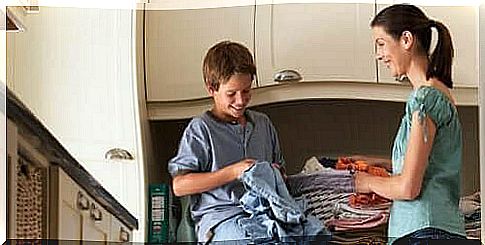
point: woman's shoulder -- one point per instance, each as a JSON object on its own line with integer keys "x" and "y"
{"x": 432, "y": 96}
{"x": 427, "y": 92}
{"x": 433, "y": 102}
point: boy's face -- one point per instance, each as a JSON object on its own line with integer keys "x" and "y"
{"x": 231, "y": 99}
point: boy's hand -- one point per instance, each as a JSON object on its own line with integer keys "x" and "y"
{"x": 238, "y": 168}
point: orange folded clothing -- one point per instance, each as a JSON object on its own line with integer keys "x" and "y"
{"x": 345, "y": 163}
{"x": 361, "y": 200}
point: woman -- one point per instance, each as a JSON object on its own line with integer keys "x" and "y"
{"x": 427, "y": 151}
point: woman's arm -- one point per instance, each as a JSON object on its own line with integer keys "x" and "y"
{"x": 407, "y": 185}
{"x": 193, "y": 183}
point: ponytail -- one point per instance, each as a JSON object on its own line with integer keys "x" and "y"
{"x": 440, "y": 61}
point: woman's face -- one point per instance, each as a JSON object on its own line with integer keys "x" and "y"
{"x": 391, "y": 51}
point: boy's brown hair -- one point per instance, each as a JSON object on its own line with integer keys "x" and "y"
{"x": 225, "y": 59}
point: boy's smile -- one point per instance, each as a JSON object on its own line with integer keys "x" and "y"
{"x": 233, "y": 96}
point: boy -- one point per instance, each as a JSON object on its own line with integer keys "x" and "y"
{"x": 218, "y": 146}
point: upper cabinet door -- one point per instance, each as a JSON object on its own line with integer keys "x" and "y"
{"x": 321, "y": 41}
{"x": 462, "y": 21}
{"x": 178, "y": 35}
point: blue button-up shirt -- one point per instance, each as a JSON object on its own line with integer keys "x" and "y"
{"x": 209, "y": 144}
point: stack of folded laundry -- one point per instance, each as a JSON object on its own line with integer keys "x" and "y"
{"x": 471, "y": 208}
{"x": 327, "y": 187}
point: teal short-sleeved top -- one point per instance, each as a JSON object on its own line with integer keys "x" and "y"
{"x": 437, "y": 204}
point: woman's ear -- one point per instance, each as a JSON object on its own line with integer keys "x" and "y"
{"x": 407, "y": 40}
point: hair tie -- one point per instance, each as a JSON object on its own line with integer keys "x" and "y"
{"x": 431, "y": 23}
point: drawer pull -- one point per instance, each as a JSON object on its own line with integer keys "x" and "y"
{"x": 82, "y": 201}
{"x": 95, "y": 213}
{"x": 124, "y": 235}
{"x": 286, "y": 76}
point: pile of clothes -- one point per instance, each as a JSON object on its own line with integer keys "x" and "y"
{"x": 471, "y": 208}
{"x": 367, "y": 200}
{"x": 327, "y": 186}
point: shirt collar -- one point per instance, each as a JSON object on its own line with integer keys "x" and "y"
{"x": 247, "y": 114}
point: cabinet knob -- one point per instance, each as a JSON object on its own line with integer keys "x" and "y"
{"x": 82, "y": 201}
{"x": 124, "y": 235}
{"x": 95, "y": 213}
{"x": 287, "y": 76}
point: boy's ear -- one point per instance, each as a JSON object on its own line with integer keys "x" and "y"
{"x": 210, "y": 90}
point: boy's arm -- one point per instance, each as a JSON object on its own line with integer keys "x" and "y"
{"x": 193, "y": 183}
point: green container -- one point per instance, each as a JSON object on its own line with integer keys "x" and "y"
{"x": 158, "y": 216}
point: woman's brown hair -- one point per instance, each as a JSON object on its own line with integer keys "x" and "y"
{"x": 398, "y": 18}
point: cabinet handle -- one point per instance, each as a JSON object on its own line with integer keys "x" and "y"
{"x": 124, "y": 235}
{"x": 95, "y": 213}
{"x": 82, "y": 201}
{"x": 287, "y": 76}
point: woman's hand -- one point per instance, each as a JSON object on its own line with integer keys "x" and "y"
{"x": 373, "y": 161}
{"x": 362, "y": 182}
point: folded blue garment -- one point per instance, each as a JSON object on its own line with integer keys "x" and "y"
{"x": 274, "y": 214}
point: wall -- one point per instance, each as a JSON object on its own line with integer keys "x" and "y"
{"x": 3, "y": 139}
{"x": 329, "y": 128}
{"x": 482, "y": 103}
{"x": 3, "y": 165}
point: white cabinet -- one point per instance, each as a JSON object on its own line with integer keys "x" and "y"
{"x": 74, "y": 68}
{"x": 321, "y": 41}
{"x": 119, "y": 232}
{"x": 177, "y": 39}
{"x": 324, "y": 42}
{"x": 329, "y": 44}
{"x": 79, "y": 217}
{"x": 301, "y": 37}
{"x": 71, "y": 222}
{"x": 462, "y": 22}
